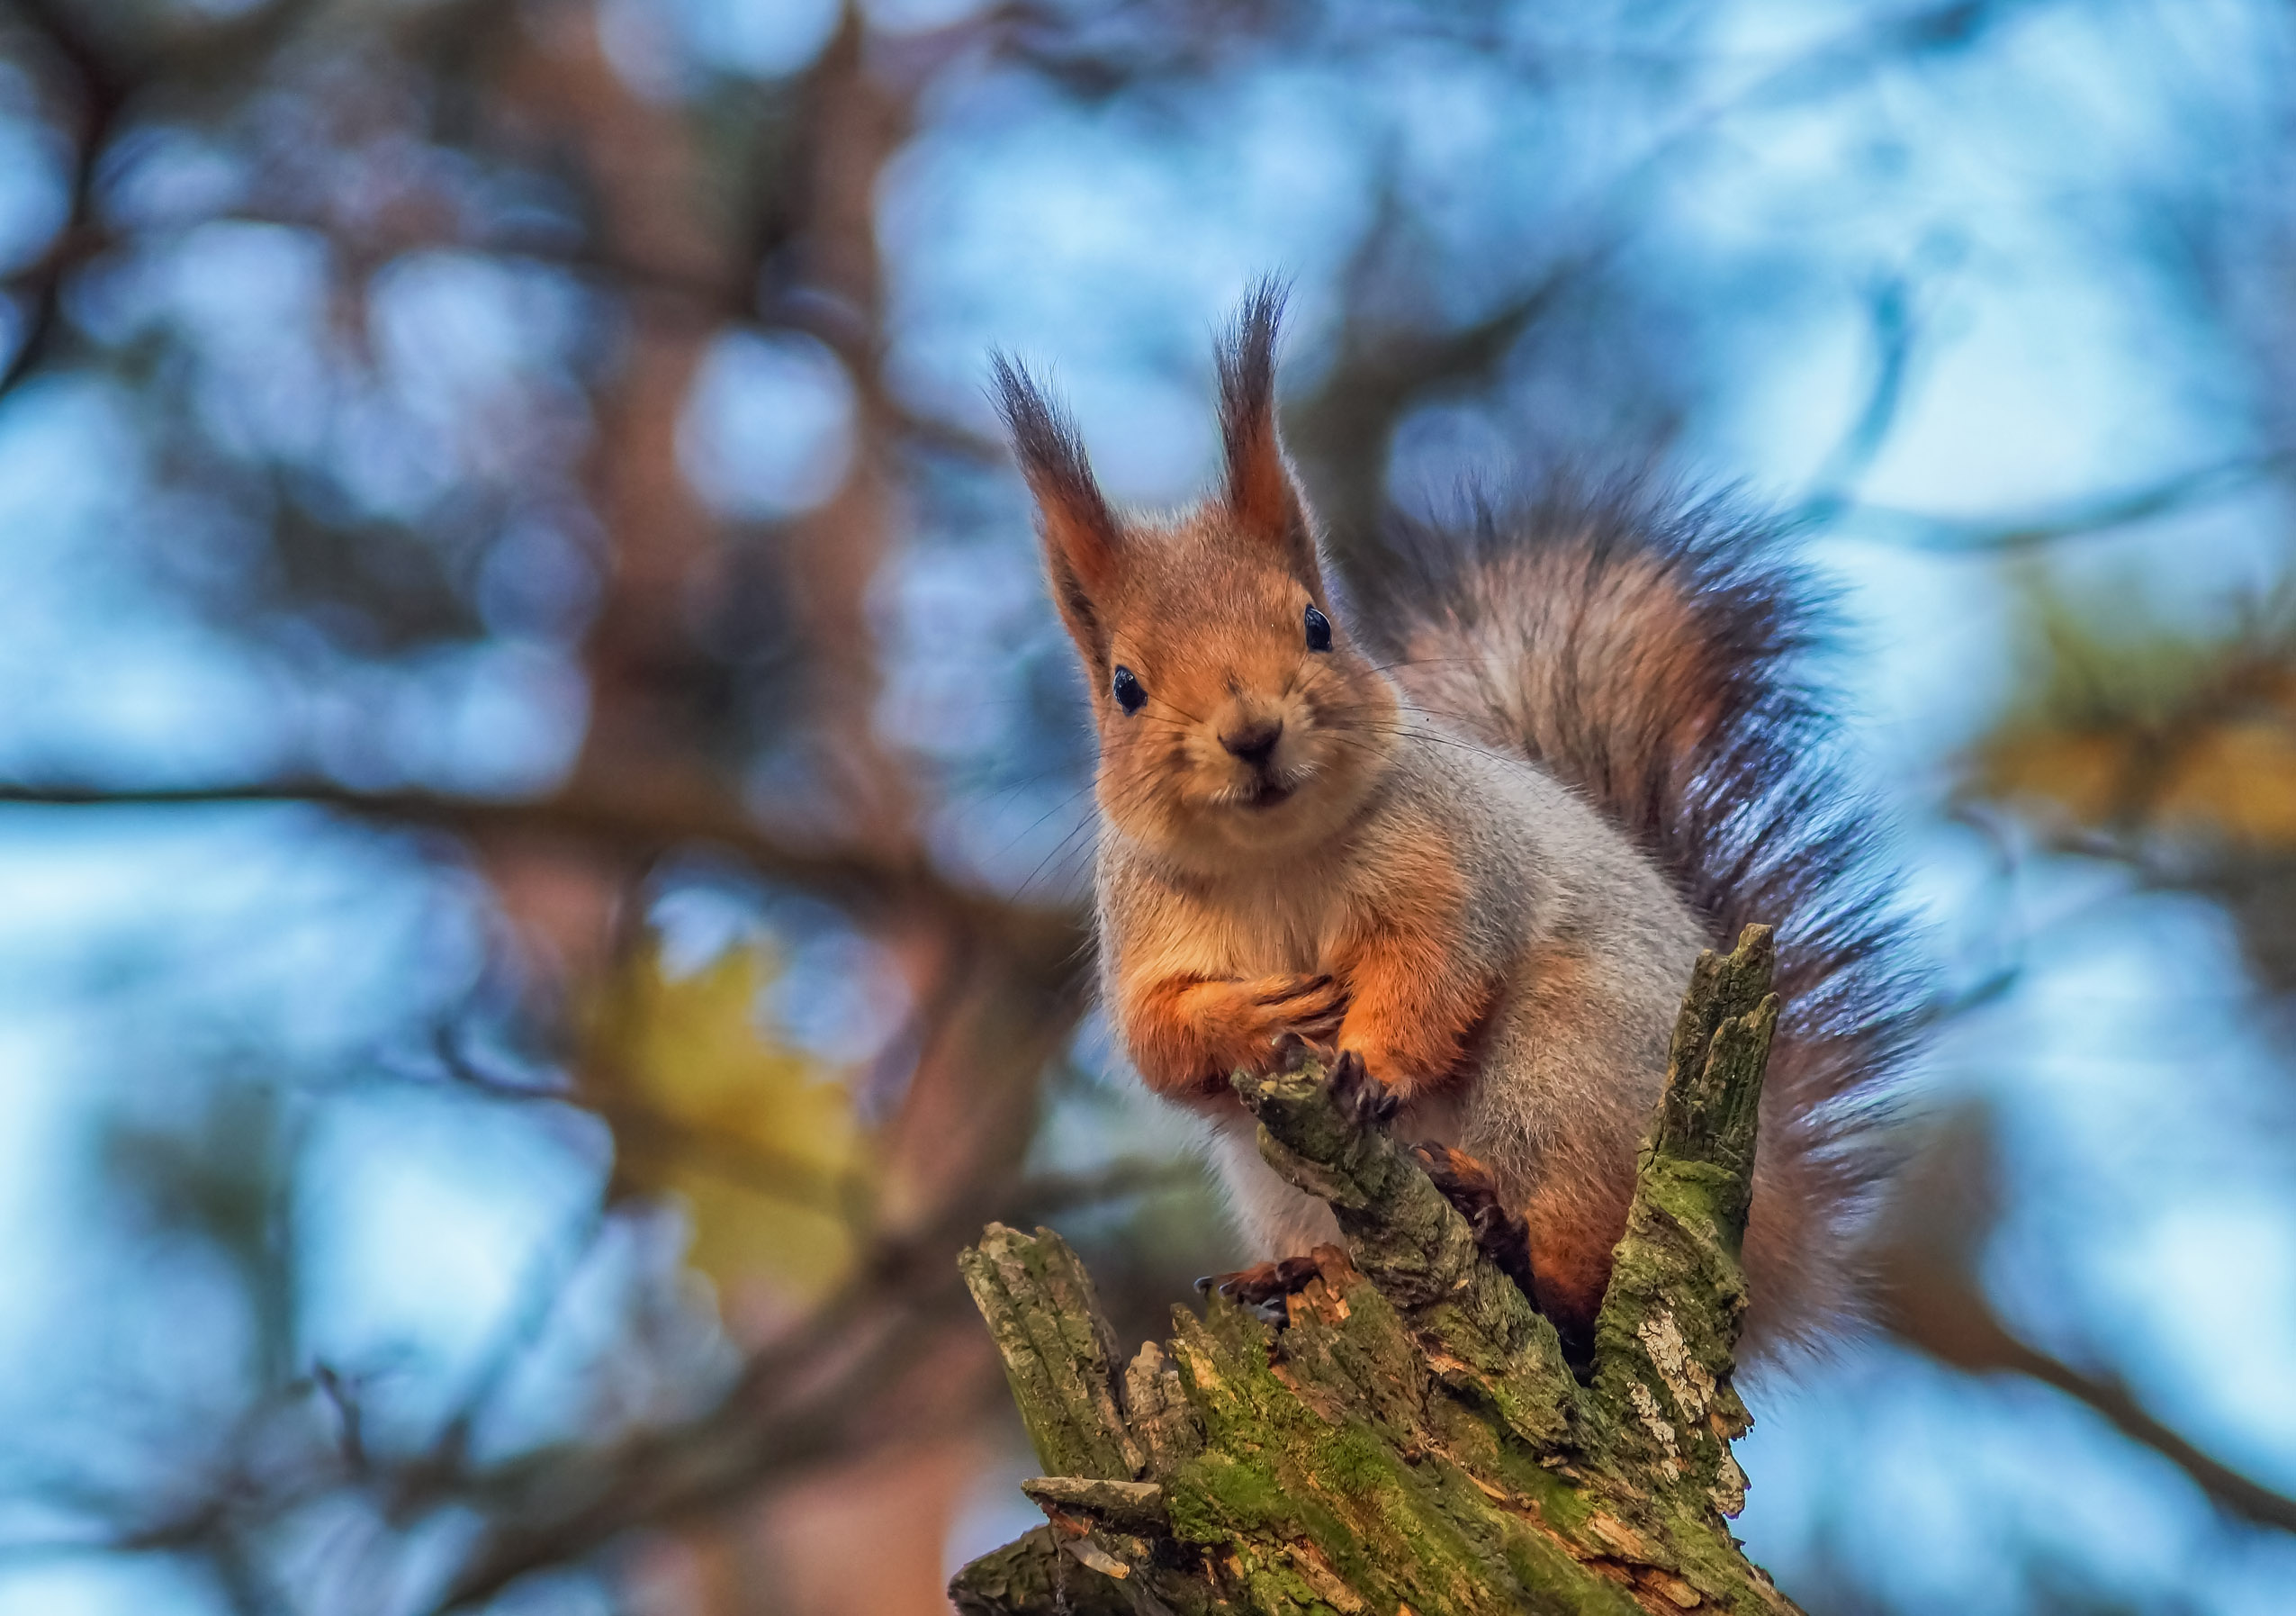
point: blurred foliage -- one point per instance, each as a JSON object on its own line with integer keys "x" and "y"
{"x": 755, "y": 1139}
{"x": 218, "y": 1180}
{"x": 2167, "y": 747}
{"x": 2126, "y": 724}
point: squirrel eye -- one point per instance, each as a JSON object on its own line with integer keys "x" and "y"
{"x": 1126, "y": 685}
{"x": 1318, "y": 630}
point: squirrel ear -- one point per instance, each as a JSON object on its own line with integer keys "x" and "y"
{"x": 1083, "y": 545}
{"x": 1262, "y": 497}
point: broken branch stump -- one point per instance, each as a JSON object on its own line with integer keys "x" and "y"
{"x": 1411, "y": 1439}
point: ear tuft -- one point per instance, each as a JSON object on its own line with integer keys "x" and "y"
{"x": 1082, "y": 540}
{"x": 1261, "y": 495}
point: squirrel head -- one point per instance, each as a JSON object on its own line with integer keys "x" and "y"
{"x": 1237, "y": 717}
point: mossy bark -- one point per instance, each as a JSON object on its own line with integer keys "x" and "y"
{"x": 1410, "y": 1438}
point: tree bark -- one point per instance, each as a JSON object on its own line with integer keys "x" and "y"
{"x": 1409, "y": 1438}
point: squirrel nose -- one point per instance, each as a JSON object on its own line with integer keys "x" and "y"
{"x": 1254, "y": 743}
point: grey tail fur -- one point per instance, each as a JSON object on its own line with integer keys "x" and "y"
{"x": 1651, "y": 652}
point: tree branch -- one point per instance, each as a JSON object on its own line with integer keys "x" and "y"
{"x": 2108, "y": 513}
{"x": 1927, "y": 1252}
{"x": 1410, "y": 1438}
{"x": 645, "y": 821}
{"x": 1960, "y": 1328}
{"x": 877, "y": 1363}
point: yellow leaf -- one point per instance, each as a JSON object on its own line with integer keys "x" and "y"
{"x": 2132, "y": 726}
{"x": 2239, "y": 780}
{"x": 757, "y": 1139}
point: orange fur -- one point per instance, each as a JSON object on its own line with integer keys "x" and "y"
{"x": 1571, "y": 1237}
{"x": 1187, "y": 1033}
{"x": 1411, "y": 997}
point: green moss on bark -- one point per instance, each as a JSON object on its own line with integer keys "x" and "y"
{"x": 1411, "y": 1437}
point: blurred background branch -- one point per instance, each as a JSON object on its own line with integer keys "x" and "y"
{"x": 546, "y": 817}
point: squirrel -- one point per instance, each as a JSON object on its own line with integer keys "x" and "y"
{"x": 1466, "y": 830}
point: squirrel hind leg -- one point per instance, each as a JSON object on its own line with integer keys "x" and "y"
{"x": 1503, "y": 1235}
{"x": 1270, "y": 1282}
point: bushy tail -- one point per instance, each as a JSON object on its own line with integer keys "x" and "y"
{"x": 1650, "y": 651}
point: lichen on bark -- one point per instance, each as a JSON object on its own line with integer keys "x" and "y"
{"x": 1408, "y": 1436}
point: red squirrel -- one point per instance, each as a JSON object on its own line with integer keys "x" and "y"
{"x": 1469, "y": 829}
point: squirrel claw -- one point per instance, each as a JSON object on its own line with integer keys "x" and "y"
{"x": 1294, "y": 988}
{"x": 1363, "y": 1097}
{"x": 1263, "y": 1282}
{"x": 1499, "y": 1231}
{"x": 1502, "y": 1236}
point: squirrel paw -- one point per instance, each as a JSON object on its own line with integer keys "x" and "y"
{"x": 1468, "y": 1185}
{"x": 1283, "y": 1010}
{"x": 1359, "y": 1094}
{"x": 1261, "y": 1025}
{"x": 1503, "y": 1237}
{"x": 1263, "y": 1282}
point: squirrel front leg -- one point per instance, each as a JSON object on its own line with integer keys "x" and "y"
{"x": 1187, "y": 1033}
{"x": 1412, "y": 1001}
